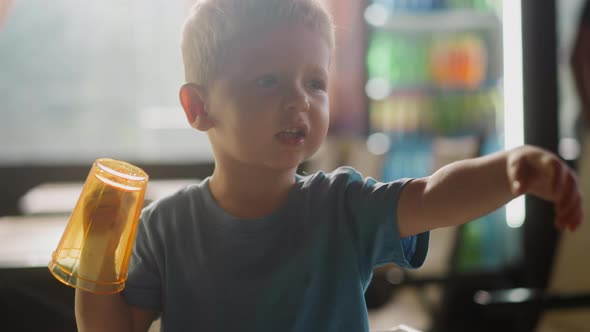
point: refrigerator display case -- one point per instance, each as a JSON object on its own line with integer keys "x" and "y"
{"x": 453, "y": 79}
{"x": 438, "y": 87}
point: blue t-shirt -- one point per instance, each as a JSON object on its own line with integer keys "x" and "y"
{"x": 303, "y": 268}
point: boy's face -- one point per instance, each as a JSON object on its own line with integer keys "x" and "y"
{"x": 269, "y": 99}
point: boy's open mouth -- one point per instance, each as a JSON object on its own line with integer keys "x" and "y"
{"x": 292, "y": 135}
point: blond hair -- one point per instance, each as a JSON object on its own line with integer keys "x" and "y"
{"x": 213, "y": 23}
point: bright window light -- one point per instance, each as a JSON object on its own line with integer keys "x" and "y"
{"x": 376, "y": 14}
{"x": 378, "y": 144}
{"x": 378, "y": 88}
{"x": 513, "y": 95}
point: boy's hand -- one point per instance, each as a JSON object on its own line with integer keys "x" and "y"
{"x": 539, "y": 172}
{"x": 106, "y": 215}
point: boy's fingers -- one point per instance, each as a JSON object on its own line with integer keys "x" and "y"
{"x": 566, "y": 194}
{"x": 517, "y": 174}
{"x": 569, "y": 195}
{"x": 570, "y": 221}
{"x": 569, "y": 210}
{"x": 549, "y": 176}
{"x": 568, "y": 203}
{"x": 563, "y": 179}
{"x": 566, "y": 212}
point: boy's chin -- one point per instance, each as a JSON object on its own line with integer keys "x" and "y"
{"x": 286, "y": 167}
{"x": 286, "y": 164}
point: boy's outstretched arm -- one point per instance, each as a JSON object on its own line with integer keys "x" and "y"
{"x": 468, "y": 189}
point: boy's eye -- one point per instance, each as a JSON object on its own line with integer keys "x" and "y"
{"x": 267, "y": 81}
{"x": 316, "y": 85}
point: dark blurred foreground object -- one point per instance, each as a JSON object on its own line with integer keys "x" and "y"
{"x": 31, "y": 300}
{"x": 519, "y": 299}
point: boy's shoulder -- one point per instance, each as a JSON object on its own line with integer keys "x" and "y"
{"x": 334, "y": 183}
{"x": 346, "y": 179}
{"x": 340, "y": 172}
{"x": 176, "y": 200}
{"x": 342, "y": 175}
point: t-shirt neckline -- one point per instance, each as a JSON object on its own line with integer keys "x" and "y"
{"x": 225, "y": 219}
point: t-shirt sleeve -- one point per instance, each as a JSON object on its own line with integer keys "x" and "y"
{"x": 373, "y": 206}
{"x": 143, "y": 285}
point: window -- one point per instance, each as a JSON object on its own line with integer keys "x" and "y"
{"x": 82, "y": 80}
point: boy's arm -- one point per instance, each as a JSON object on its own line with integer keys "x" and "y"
{"x": 100, "y": 312}
{"x": 110, "y": 313}
{"x": 468, "y": 189}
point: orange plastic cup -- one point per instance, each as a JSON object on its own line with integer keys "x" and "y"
{"x": 95, "y": 248}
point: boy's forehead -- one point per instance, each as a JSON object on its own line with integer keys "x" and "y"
{"x": 265, "y": 45}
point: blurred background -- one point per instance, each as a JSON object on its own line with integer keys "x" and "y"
{"x": 416, "y": 84}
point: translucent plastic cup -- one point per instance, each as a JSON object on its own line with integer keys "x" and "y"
{"x": 95, "y": 248}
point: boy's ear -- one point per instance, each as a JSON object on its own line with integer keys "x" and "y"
{"x": 192, "y": 98}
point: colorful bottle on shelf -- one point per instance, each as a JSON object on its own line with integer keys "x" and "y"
{"x": 380, "y": 56}
{"x": 458, "y": 61}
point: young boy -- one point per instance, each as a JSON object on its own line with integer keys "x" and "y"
{"x": 256, "y": 247}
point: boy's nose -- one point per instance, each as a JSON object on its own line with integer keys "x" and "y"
{"x": 297, "y": 102}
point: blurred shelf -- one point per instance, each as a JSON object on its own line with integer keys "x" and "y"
{"x": 380, "y": 89}
{"x": 430, "y": 89}
{"x": 430, "y": 21}
{"x": 29, "y": 241}
{"x": 61, "y": 197}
